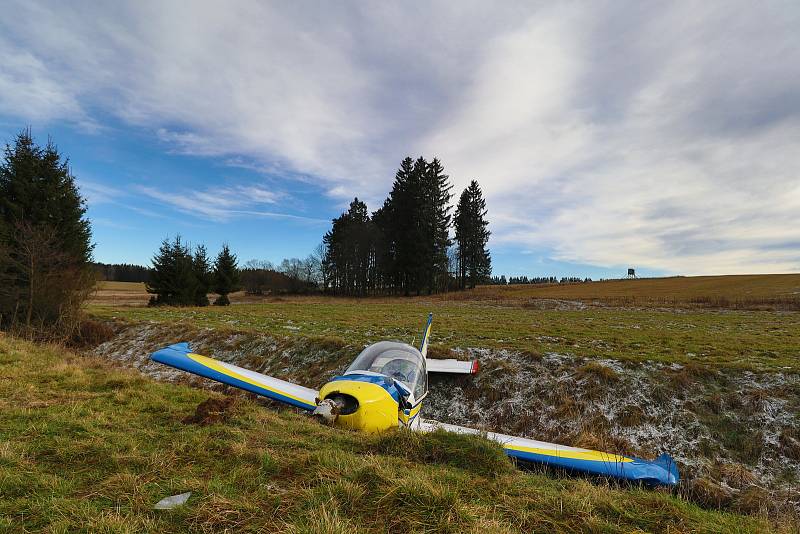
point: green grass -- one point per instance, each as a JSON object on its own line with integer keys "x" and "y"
{"x": 755, "y": 340}
{"x": 85, "y": 447}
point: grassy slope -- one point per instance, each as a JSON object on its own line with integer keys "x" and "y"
{"x": 86, "y": 447}
{"x": 745, "y": 339}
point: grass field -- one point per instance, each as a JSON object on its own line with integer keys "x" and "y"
{"x": 742, "y": 339}
{"x": 86, "y": 447}
{"x": 781, "y": 290}
{"x": 743, "y": 291}
{"x": 518, "y": 318}
{"x": 120, "y": 294}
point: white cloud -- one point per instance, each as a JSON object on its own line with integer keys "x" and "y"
{"x": 656, "y": 135}
{"x": 96, "y": 193}
{"x": 221, "y": 204}
{"x": 644, "y": 167}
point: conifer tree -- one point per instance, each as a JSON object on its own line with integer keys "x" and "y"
{"x": 399, "y": 228}
{"x": 201, "y": 267}
{"x": 472, "y": 236}
{"x": 45, "y": 240}
{"x": 172, "y": 280}
{"x": 350, "y": 248}
{"x": 406, "y": 246}
{"x": 435, "y": 215}
{"x": 226, "y": 276}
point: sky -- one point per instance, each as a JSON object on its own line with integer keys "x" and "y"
{"x": 663, "y": 136}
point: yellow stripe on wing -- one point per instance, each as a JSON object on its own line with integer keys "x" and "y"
{"x": 217, "y": 366}
{"x": 593, "y": 456}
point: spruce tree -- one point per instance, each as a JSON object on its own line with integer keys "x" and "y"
{"x": 172, "y": 280}
{"x": 435, "y": 214}
{"x": 351, "y": 245}
{"x": 472, "y": 237}
{"x": 399, "y": 227}
{"x": 45, "y": 240}
{"x": 417, "y": 241}
{"x": 226, "y": 276}
{"x": 201, "y": 267}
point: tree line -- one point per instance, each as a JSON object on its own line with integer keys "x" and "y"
{"x": 121, "y": 272}
{"x": 291, "y": 276}
{"x": 183, "y": 275}
{"x": 513, "y": 280}
{"x": 404, "y": 247}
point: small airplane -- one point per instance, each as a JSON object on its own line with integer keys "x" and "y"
{"x": 384, "y": 388}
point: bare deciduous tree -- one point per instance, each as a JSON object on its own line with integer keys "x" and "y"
{"x": 43, "y": 285}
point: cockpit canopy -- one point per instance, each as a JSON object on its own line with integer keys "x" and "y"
{"x": 402, "y": 362}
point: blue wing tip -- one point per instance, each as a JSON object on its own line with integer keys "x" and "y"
{"x": 668, "y": 463}
{"x": 180, "y": 348}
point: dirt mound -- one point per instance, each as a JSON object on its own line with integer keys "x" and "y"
{"x": 212, "y": 411}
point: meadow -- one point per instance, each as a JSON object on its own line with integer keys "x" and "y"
{"x": 750, "y": 291}
{"x": 745, "y": 339}
{"x": 89, "y": 447}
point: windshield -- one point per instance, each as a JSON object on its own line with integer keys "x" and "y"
{"x": 396, "y": 360}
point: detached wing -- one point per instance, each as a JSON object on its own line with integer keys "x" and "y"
{"x": 661, "y": 471}
{"x": 181, "y": 357}
{"x": 451, "y": 366}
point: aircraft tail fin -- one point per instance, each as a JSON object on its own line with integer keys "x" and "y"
{"x": 423, "y": 348}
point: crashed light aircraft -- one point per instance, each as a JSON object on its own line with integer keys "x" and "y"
{"x": 384, "y": 388}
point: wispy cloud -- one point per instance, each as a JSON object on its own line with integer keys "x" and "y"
{"x": 224, "y": 203}
{"x": 109, "y": 223}
{"x": 657, "y": 135}
{"x": 96, "y": 193}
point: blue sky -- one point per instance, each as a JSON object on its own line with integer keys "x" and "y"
{"x": 661, "y": 136}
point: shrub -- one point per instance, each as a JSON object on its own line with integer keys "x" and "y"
{"x": 91, "y": 333}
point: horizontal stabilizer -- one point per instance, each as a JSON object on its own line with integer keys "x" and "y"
{"x": 451, "y": 366}
{"x": 660, "y": 472}
{"x": 181, "y": 357}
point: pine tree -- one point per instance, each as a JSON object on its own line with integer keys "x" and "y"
{"x": 45, "y": 241}
{"x": 201, "y": 269}
{"x": 350, "y": 248}
{"x": 472, "y": 236}
{"x": 172, "y": 280}
{"x": 400, "y": 229}
{"x": 406, "y": 246}
{"x": 435, "y": 215}
{"x": 226, "y": 276}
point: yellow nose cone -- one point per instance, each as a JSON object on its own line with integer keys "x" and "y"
{"x": 377, "y": 410}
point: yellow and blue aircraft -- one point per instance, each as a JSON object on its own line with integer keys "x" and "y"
{"x": 384, "y": 388}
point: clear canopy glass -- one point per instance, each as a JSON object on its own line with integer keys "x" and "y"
{"x": 402, "y": 362}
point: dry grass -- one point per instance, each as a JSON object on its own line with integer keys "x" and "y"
{"x": 120, "y": 294}
{"x": 739, "y": 291}
{"x": 752, "y": 291}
